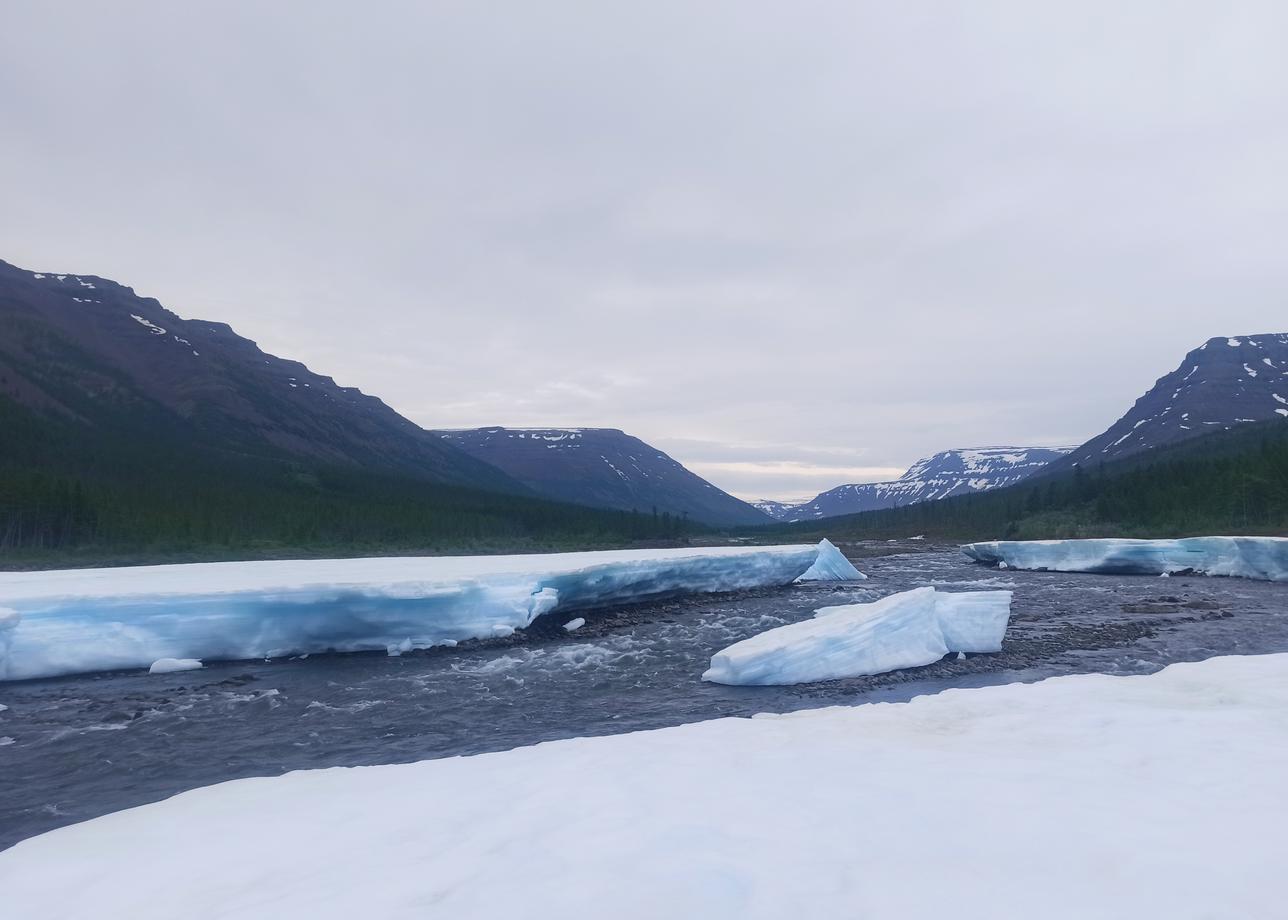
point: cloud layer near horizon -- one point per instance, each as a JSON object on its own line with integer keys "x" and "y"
{"x": 793, "y": 245}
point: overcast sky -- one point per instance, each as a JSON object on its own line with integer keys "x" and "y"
{"x": 793, "y": 244}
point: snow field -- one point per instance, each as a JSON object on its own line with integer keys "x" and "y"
{"x": 1076, "y": 797}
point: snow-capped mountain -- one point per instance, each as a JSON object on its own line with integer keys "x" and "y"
{"x": 602, "y": 467}
{"x": 947, "y": 473}
{"x": 775, "y": 509}
{"x": 86, "y": 350}
{"x": 1223, "y": 383}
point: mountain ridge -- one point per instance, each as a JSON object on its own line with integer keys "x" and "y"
{"x": 602, "y": 467}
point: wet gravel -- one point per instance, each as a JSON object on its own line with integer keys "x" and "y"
{"x": 74, "y": 748}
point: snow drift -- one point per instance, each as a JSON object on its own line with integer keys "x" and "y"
{"x": 905, "y": 630}
{"x": 1076, "y": 797}
{"x": 83, "y": 620}
{"x": 1263, "y": 558}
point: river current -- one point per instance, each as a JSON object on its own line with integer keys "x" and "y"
{"x": 77, "y": 747}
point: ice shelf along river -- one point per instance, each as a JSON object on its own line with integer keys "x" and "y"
{"x": 75, "y": 747}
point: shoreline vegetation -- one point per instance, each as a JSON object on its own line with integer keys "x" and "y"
{"x": 133, "y": 496}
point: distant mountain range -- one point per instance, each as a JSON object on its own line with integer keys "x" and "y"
{"x": 101, "y": 389}
{"x": 945, "y": 474}
{"x": 1222, "y": 384}
{"x": 602, "y": 467}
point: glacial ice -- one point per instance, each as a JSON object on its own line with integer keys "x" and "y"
{"x": 84, "y": 620}
{"x": 1264, "y": 558}
{"x": 905, "y": 630}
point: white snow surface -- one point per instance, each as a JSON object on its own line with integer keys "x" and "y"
{"x": 83, "y": 620}
{"x": 905, "y": 630}
{"x": 1117, "y": 798}
{"x": 171, "y": 665}
{"x": 1264, "y": 558}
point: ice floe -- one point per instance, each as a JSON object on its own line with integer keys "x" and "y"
{"x": 82, "y": 620}
{"x": 1263, "y": 558}
{"x": 905, "y": 630}
{"x": 171, "y": 665}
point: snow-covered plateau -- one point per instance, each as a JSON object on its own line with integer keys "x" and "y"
{"x": 905, "y": 630}
{"x": 1243, "y": 557}
{"x": 83, "y": 620}
{"x": 1076, "y": 797}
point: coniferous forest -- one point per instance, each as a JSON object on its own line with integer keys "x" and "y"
{"x": 74, "y": 494}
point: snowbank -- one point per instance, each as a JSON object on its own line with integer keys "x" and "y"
{"x": 82, "y": 620}
{"x": 1245, "y": 557}
{"x": 1077, "y": 797}
{"x": 905, "y": 630}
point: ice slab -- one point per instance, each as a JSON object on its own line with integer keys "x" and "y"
{"x": 905, "y": 630}
{"x": 831, "y": 565}
{"x": 973, "y": 621}
{"x": 1077, "y": 797}
{"x": 171, "y": 665}
{"x": 83, "y": 620}
{"x": 1263, "y": 558}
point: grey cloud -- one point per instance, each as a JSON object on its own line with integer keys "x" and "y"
{"x": 880, "y": 230}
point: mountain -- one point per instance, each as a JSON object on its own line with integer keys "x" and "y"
{"x": 91, "y": 351}
{"x": 602, "y": 467}
{"x": 1222, "y": 384}
{"x": 1231, "y": 481}
{"x": 945, "y": 474}
{"x": 779, "y": 511}
{"x": 130, "y": 435}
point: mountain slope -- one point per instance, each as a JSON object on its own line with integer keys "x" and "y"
{"x": 91, "y": 351}
{"x": 945, "y": 474}
{"x": 602, "y": 467}
{"x": 129, "y": 435}
{"x": 1224, "y": 383}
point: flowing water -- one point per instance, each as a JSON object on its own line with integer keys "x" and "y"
{"x": 74, "y": 748}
